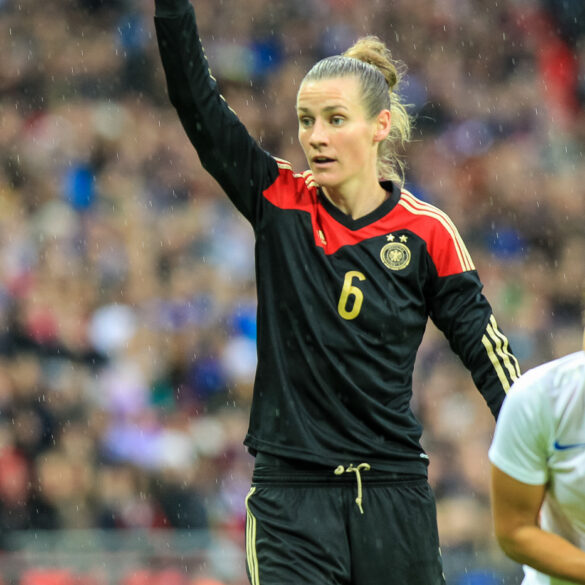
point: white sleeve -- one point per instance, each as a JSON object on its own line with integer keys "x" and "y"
{"x": 520, "y": 444}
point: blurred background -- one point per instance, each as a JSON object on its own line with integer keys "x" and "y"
{"x": 127, "y": 299}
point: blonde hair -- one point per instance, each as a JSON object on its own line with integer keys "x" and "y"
{"x": 379, "y": 76}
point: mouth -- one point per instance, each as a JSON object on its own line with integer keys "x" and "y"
{"x": 320, "y": 161}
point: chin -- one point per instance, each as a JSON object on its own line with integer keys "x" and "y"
{"x": 323, "y": 179}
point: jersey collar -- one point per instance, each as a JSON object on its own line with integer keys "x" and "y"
{"x": 355, "y": 224}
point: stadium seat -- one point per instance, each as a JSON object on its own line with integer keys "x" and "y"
{"x": 47, "y": 577}
{"x": 138, "y": 577}
{"x": 169, "y": 577}
{"x": 205, "y": 581}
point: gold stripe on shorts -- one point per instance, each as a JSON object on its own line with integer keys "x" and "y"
{"x": 251, "y": 556}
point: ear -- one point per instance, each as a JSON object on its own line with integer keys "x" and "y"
{"x": 383, "y": 123}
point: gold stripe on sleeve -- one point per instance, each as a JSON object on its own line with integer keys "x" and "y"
{"x": 418, "y": 207}
{"x": 509, "y": 359}
{"x": 283, "y": 164}
{"x": 309, "y": 179}
{"x": 495, "y": 362}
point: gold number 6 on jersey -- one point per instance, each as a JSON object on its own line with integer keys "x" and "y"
{"x": 350, "y": 291}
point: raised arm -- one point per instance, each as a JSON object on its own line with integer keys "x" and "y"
{"x": 223, "y": 144}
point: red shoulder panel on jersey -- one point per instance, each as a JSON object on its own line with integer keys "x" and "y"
{"x": 444, "y": 244}
{"x": 447, "y": 249}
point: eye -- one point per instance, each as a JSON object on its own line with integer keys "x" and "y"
{"x": 337, "y": 120}
{"x": 305, "y": 121}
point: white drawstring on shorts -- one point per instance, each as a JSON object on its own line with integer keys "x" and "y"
{"x": 357, "y": 470}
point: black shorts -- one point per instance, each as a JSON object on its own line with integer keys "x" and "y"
{"x": 304, "y": 527}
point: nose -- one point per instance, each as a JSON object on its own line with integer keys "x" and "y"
{"x": 318, "y": 134}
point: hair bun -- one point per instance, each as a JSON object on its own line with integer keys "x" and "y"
{"x": 372, "y": 50}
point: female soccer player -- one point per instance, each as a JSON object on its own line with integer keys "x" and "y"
{"x": 349, "y": 268}
{"x": 538, "y": 472}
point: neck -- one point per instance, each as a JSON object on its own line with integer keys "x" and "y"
{"x": 357, "y": 202}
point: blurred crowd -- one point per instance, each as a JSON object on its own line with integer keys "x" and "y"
{"x": 127, "y": 299}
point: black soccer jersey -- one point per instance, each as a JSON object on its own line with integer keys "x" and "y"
{"x": 342, "y": 303}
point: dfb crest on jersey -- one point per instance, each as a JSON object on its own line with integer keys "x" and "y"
{"x": 395, "y": 256}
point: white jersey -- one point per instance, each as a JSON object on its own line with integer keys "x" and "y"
{"x": 540, "y": 439}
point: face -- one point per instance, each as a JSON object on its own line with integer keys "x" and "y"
{"x": 340, "y": 143}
